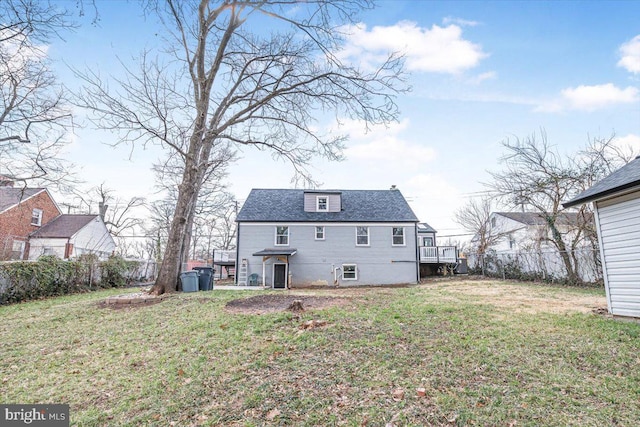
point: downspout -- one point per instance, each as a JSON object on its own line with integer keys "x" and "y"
{"x": 415, "y": 229}
{"x": 235, "y": 278}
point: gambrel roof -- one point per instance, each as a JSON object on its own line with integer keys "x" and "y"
{"x": 278, "y": 205}
{"x": 624, "y": 178}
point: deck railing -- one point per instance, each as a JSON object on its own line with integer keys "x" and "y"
{"x": 438, "y": 254}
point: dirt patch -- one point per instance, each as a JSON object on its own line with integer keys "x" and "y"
{"x": 523, "y": 299}
{"x": 273, "y": 302}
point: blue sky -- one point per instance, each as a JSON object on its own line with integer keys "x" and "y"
{"x": 481, "y": 72}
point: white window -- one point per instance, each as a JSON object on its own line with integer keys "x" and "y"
{"x": 36, "y": 217}
{"x": 362, "y": 236}
{"x": 322, "y": 203}
{"x": 398, "y": 236}
{"x": 282, "y": 236}
{"x": 320, "y": 232}
{"x": 349, "y": 272}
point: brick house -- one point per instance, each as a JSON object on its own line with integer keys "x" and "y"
{"x": 22, "y": 212}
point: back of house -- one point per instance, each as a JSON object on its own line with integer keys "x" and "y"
{"x": 326, "y": 237}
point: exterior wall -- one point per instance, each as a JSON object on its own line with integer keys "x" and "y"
{"x": 335, "y": 202}
{"x": 93, "y": 238}
{"x": 421, "y": 236}
{"x": 40, "y": 247}
{"x": 15, "y": 223}
{"x": 618, "y": 225}
{"x": 319, "y": 262}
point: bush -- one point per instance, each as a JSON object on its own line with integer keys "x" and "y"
{"x": 117, "y": 272}
{"x": 51, "y": 276}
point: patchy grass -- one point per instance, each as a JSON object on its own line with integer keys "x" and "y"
{"x": 485, "y": 353}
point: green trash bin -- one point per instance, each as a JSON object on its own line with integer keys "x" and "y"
{"x": 205, "y": 278}
{"x": 189, "y": 281}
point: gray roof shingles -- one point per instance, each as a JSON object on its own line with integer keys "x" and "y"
{"x": 10, "y": 196}
{"x": 624, "y": 178}
{"x": 535, "y": 218}
{"x": 63, "y": 226}
{"x": 278, "y": 205}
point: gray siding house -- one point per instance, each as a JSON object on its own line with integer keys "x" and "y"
{"x": 326, "y": 237}
{"x": 616, "y": 205}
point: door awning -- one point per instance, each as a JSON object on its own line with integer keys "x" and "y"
{"x": 276, "y": 252}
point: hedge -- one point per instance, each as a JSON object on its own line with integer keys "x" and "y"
{"x": 51, "y": 276}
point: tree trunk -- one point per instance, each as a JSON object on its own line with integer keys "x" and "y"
{"x": 572, "y": 276}
{"x": 168, "y": 276}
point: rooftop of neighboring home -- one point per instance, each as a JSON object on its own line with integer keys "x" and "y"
{"x": 10, "y": 197}
{"x": 63, "y": 226}
{"x": 286, "y": 205}
{"x": 624, "y": 178}
{"x": 536, "y": 218}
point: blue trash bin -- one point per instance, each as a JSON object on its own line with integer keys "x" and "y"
{"x": 189, "y": 281}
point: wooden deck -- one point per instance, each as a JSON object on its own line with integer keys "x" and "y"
{"x": 438, "y": 254}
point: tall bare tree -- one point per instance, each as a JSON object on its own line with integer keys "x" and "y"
{"x": 35, "y": 120}
{"x": 220, "y": 83}
{"x": 537, "y": 177}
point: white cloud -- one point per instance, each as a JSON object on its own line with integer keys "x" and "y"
{"x": 591, "y": 98}
{"x": 439, "y": 49}
{"x": 381, "y": 145}
{"x": 475, "y": 80}
{"x": 630, "y": 55}
{"x": 628, "y": 144}
{"x": 459, "y": 21}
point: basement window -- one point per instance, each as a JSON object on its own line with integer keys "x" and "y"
{"x": 349, "y": 272}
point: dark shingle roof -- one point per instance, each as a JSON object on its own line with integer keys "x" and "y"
{"x": 63, "y": 226}
{"x": 423, "y": 227}
{"x": 10, "y": 196}
{"x": 624, "y": 178}
{"x": 535, "y": 218}
{"x": 272, "y": 205}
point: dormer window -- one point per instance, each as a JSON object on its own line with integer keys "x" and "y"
{"x": 322, "y": 204}
{"x": 36, "y": 217}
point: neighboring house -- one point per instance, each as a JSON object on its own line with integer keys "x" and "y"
{"x": 519, "y": 231}
{"x": 22, "y": 211}
{"x": 327, "y": 237}
{"x": 69, "y": 236}
{"x": 616, "y": 204}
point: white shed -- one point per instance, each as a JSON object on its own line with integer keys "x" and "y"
{"x": 616, "y": 204}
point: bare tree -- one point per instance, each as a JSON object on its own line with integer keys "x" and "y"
{"x": 219, "y": 83}
{"x": 536, "y": 177}
{"x": 475, "y": 217}
{"x": 35, "y": 120}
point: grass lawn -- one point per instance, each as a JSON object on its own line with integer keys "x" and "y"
{"x": 443, "y": 353}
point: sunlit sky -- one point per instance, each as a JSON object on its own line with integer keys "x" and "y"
{"x": 481, "y": 72}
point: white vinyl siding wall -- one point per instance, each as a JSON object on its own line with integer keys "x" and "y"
{"x": 618, "y": 222}
{"x": 311, "y": 202}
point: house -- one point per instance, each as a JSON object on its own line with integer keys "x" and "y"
{"x": 68, "y": 236}
{"x": 22, "y": 212}
{"x": 517, "y": 231}
{"x": 524, "y": 242}
{"x": 616, "y": 206}
{"x": 327, "y": 237}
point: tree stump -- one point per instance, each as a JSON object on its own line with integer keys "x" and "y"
{"x": 296, "y": 306}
